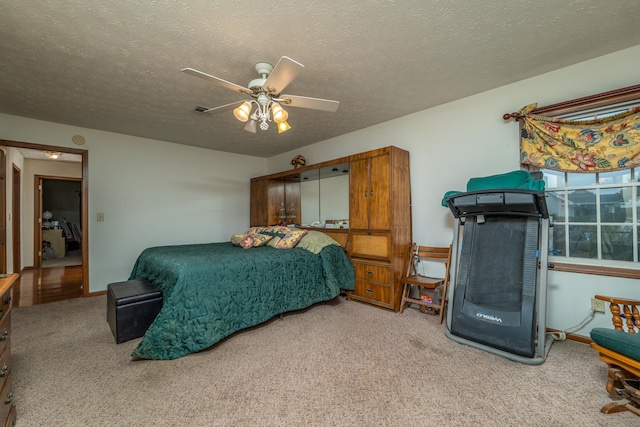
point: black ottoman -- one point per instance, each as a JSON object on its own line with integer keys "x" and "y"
{"x": 131, "y": 308}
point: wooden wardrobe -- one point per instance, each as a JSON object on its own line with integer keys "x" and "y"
{"x": 379, "y": 234}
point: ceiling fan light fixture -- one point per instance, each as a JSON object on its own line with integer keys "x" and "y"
{"x": 243, "y": 111}
{"x": 52, "y": 155}
{"x": 279, "y": 114}
{"x": 252, "y": 125}
{"x": 283, "y": 126}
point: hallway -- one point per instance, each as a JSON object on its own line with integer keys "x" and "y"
{"x": 40, "y": 286}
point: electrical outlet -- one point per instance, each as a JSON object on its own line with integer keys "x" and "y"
{"x": 597, "y": 305}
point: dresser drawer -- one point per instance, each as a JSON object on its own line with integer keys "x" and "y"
{"x": 370, "y": 245}
{"x": 6, "y": 398}
{"x": 5, "y": 303}
{"x": 5, "y": 328}
{"x": 5, "y": 363}
{"x": 371, "y": 292}
{"x": 372, "y": 272}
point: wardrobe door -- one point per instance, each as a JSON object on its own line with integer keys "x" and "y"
{"x": 359, "y": 194}
{"x": 379, "y": 193}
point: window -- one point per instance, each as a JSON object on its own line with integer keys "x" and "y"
{"x": 595, "y": 216}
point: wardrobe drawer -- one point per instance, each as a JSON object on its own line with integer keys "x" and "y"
{"x": 372, "y": 272}
{"x": 370, "y": 245}
{"x": 372, "y": 293}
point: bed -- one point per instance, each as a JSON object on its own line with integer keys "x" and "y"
{"x": 212, "y": 290}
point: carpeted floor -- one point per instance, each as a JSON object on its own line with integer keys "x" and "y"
{"x": 335, "y": 364}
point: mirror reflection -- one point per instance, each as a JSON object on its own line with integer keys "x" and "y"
{"x": 324, "y": 197}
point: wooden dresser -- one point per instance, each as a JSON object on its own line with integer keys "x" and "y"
{"x": 379, "y": 233}
{"x": 7, "y": 406}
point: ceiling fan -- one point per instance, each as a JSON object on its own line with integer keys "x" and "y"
{"x": 266, "y": 92}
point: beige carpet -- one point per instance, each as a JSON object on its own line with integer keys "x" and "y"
{"x": 336, "y": 364}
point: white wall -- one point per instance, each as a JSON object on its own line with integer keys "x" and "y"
{"x": 468, "y": 138}
{"x": 151, "y": 193}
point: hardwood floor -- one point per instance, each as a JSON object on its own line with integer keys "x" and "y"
{"x": 43, "y": 285}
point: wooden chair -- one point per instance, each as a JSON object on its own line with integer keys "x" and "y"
{"x": 620, "y": 350}
{"x": 413, "y": 277}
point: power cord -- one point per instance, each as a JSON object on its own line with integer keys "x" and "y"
{"x": 562, "y": 335}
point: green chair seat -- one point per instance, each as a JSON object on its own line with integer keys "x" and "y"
{"x": 618, "y": 341}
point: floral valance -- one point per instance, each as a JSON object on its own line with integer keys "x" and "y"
{"x": 598, "y": 145}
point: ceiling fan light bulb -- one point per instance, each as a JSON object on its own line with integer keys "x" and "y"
{"x": 243, "y": 111}
{"x": 283, "y": 127}
{"x": 279, "y": 114}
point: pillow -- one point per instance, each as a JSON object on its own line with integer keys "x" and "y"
{"x": 289, "y": 241}
{"x": 247, "y": 241}
{"x": 255, "y": 230}
{"x": 315, "y": 241}
{"x": 252, "y": 240}
{"x": 260, "y": 239}
{"x": 275, "y": 230}
{"x": 236, "y": 239}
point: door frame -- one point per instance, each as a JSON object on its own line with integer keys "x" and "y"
{"x": 84, "y": 211}
{"x": 16, "y": 214}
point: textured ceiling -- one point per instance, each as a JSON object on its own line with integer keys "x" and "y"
{"x": 115, "y": 66}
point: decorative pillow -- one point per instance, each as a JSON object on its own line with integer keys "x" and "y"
{"x": 260, "y": 239}
{"x": 255, "y": 230}
{"x": 236, "y": 239}
{"x": 247, "y": 241}
{"x": 275, "y": 230}
{"x": 315, "y": 241}
{"x": 290, "y": 240}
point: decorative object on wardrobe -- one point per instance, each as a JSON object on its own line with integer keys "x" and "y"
{"x": 267, "y": 102}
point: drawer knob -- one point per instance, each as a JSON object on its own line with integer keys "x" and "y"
{"x": 5, "y": 335}
{"x": 369, "y": 291}
{"x": 9, "y": 397}
{"x": 4, "y": 370}
{"x": 369, "y": 273}
{"x": 7, "y": 301}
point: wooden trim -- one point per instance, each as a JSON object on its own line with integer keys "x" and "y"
{"x": 573, "y": 337}
{"x": 626, "y": 273}
{"x": 602, "y": 99}
{"x": 295, "y": 174}
{"x": 592, "y": 101}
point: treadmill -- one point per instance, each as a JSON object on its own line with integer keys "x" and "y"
{"x": 498, "y": 287}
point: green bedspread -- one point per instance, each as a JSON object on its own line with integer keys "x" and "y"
{"x": 212, "y": 290}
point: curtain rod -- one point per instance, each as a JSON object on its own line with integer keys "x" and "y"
{"x": 592, "y": 101}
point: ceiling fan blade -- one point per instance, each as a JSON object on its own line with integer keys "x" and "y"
{"x": 217, "y": 80}
{"x": 283, "y": 73}
{"x": 306, "y": 102}
{"x": 219, "y": 109}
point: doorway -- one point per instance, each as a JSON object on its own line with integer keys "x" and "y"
{"x": 59, "y": 208}
{"x": 28, "y": 227}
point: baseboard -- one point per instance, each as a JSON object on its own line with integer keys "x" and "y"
{"x": 574, "y": 337}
